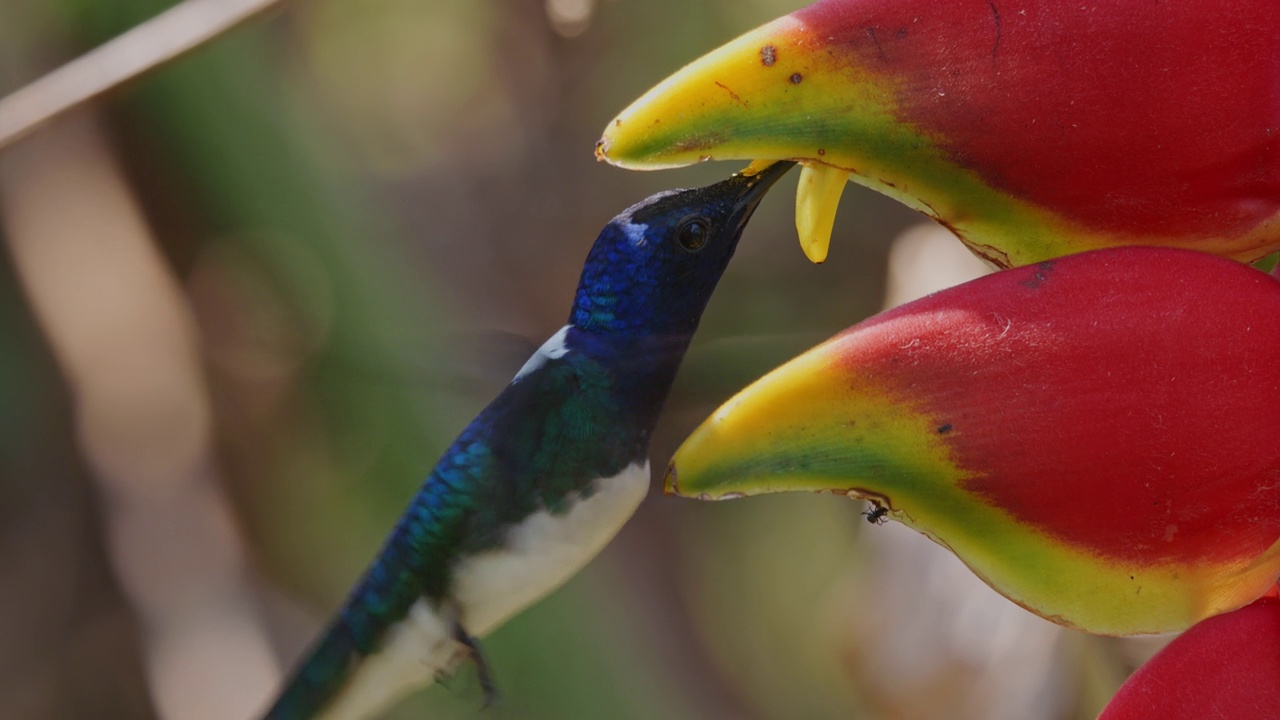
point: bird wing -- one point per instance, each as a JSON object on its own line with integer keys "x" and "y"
{"x": 413, "y": 564}
{"x": 545, "y": 435}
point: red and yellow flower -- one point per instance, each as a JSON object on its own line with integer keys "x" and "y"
{"x": 1033, "y": 130}
{"x": 1224, "y": 667}
{"x": 1095, "y": 436}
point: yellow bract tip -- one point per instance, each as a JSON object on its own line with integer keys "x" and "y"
{"x": 756, "y": 167}
{"x": 817, "y": 197}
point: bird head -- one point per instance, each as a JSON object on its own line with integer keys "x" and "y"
{"x": 654, "y": 266}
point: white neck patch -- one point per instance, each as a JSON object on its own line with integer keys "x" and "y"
{"x": 635, "y": 232}
{"x": 554, "y": 348}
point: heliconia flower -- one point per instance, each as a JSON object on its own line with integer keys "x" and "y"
{"x": 1224, "y": 667}
{"x": 1032, "y": 130}
{"x": 1094, "y": 436}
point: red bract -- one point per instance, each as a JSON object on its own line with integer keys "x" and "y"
{"x": 1033, "y": 130}
{"x": 1224, "y": 667}
{"x": 1128, "y": 117}
{"x": 1096, "y": 436}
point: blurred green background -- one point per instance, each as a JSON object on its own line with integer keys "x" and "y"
{"x": 248, "y": 300}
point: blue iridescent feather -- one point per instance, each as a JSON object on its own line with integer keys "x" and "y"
{"x": 579, "y": 414}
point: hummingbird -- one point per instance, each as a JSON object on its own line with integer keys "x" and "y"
{"x": 544, "y": 477}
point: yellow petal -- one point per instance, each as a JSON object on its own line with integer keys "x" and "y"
{"x": 817, "y": 197}
{"x": 756, "y": 166}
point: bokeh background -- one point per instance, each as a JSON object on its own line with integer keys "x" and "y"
{"x": 247, "y": 301}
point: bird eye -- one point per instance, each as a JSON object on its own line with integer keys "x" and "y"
{"x": 692, "y": 234}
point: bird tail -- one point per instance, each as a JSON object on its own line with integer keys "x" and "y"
{"x": 320, "y": 677}
{"x": 345, "y": 678}
{"x": 389, "y": 638}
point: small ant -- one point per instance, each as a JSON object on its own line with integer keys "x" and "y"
{"x": 877, "y": 513}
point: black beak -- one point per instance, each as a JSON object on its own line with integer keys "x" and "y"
{"x": 752, "y": 188}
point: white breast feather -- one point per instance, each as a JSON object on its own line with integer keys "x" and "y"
{"x": 544, "y": 551}
{"x": 416, "y": 649}
{"x": 540, "y": 555}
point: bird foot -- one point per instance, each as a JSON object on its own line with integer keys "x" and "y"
{"x": 482, "y": 668}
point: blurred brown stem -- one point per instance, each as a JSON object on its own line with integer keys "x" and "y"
{"x": 155, "y": 42}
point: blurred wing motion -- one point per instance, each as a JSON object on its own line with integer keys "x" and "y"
{"x": 1095, "y": 436}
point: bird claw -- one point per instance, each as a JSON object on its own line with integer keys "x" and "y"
{"x": 482, "y": 668}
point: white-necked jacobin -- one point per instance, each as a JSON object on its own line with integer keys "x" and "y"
{"x": 546, "y": 475}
